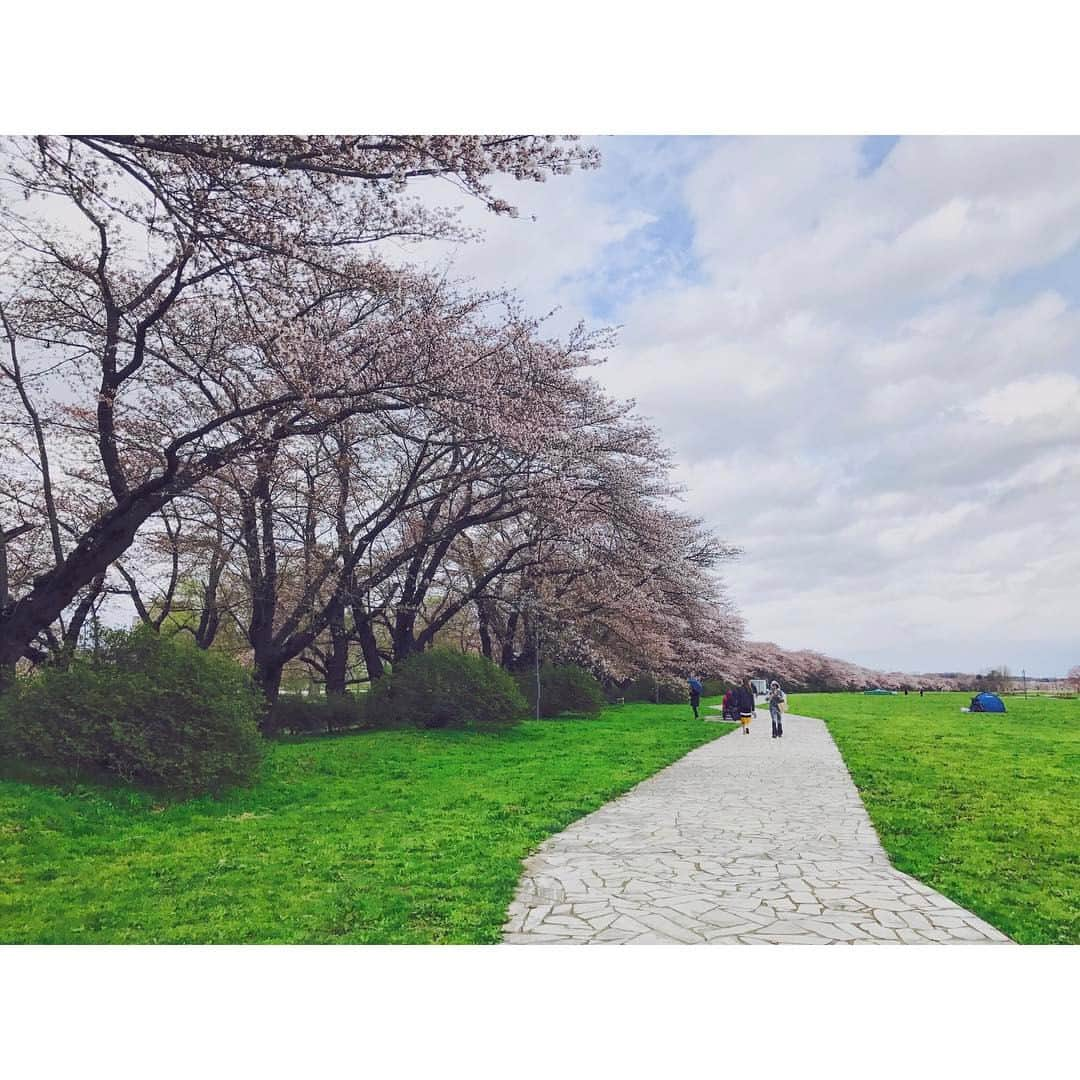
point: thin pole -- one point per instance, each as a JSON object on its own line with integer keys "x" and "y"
{"x": 537, "y": 663}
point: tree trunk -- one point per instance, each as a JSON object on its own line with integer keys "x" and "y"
{"x": 507, "y": 659}
{"x": 3, "y": 571}
{"x": 404, "y": 640}
{"x": 370, "y": 648}
{"x": 267, "y": 677}
{"x": 484, "y": 628}
{"x": 78, "y": 621}
{"x": 337, "y": 661}
{"x": 7, "y": 670}
{"x": 55, "y": 589}
{"x": 209, "y": 622}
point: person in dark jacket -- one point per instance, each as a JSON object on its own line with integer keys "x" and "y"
{"x": 745, "y": 703}
{"x": 695, "y": 694}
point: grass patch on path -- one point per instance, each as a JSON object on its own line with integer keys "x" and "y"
{"x": 389, "y": 837}
{"x": 983, "y": 807}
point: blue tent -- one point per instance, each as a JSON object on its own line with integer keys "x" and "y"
{"x": 985, "y": 702}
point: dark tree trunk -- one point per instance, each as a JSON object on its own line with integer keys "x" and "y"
{"x": 210, "y": 616}
{"x": 403, "y": 636}
{"x": 370, "y": 648}
{"x": 3, "y": 571}
{"x": 209, "y": 621}
{"x": 54, "y": 590}
{"x": 337, "y": 660}
{"x": 507, "y": 659}
{"x": 484, "y": 628}
{"x": 78, "y": 621}
{"x": 337, "y": 669}
{"x": 267, "y": 677}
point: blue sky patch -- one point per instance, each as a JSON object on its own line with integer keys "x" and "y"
{"x": 875, "y": 149}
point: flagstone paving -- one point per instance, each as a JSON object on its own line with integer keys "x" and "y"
{"x": 748, "y": 840}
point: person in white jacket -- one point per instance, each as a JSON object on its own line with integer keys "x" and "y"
{"x": 777, "y": 700}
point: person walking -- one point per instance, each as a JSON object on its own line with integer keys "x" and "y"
{"x": 745, "y": 705}
{"x": 695, "y": 694}
{"x": 731, "y": 711}
{"x": 777, "y": 701}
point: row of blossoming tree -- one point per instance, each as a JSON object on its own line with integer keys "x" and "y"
{"x": 219, "y": 400}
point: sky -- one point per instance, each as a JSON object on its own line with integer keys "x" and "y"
{"x": 865, "y": 353}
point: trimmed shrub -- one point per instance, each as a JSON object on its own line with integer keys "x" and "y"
{"x": 565, "y": 688}
{"x": 445, "y": 689}
{"x": 154, "y": 711}
{"x": 299, "y": 715}
{"x": 713, "y": 688}
{"x": 292, "y": 715}
{"x": 342, "y": 711}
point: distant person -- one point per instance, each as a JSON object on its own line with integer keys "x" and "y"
{"x": 731, "y": 709}
{"x": 695, "y": 694}
{"x": 777, "y": 701}
{"x": 745, "y": 705}
{"x": 920, "y": 691}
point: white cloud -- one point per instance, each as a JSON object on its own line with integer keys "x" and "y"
{"x": 859, "y": 392}
{"x": 1040, "y": 398}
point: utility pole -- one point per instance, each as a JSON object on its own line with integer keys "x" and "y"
{"x": 1023, "y": 672}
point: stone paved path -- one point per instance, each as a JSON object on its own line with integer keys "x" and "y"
{"x": 748, "y": 840}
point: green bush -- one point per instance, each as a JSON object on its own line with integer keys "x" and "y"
{"x": 443, "y": 688}
{"x": 565, "y": 688}
{"x": 299, "y": 715}
{"x": 155, "y": 711}
{"x": 713, "y": 687}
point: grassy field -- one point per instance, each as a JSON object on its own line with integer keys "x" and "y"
{"x": 984, "y": 808}
{"x": 379, "y": 837}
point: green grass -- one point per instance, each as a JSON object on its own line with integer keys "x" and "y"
{"x": 392, "y": 837}
{"x": 983, "y": 807}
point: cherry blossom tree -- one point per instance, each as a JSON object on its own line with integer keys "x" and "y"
{"x": 389, "y": 530}
{"x": 175, "y": 304}
{"x": 804, "y": 669}
{"x": 372, "y": 504}
{"x": 219, "y": 402}
{"x": 619, "y": 580}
